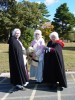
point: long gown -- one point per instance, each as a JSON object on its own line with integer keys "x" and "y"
{"x": 37, "y": 72}
{"x": 54, "y": 65}
{"x": 16, "y": 63}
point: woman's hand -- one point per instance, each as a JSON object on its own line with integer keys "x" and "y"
{"x": 49, "y": 49}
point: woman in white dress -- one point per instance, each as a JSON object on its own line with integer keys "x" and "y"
{"x": 38, "y": 45}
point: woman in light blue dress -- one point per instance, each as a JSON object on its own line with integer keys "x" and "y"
{"x": 38, "y": 45}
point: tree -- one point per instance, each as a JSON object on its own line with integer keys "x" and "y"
{"x": 71, "y": 35}
{"x": 46, "y": 29}
{"x": 5, "y": 21}
{"x": 24, "y": 15}
{"x": 64, "y": 21}
{"x": 5, "y": 4}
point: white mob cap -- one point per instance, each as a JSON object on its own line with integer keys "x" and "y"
{"x": 54, "y": 34}
{"x": 15, "y": 30}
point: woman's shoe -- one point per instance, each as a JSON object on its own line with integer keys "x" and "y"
{"x": 19, "y": 87}
{"x": 26, "y": 84}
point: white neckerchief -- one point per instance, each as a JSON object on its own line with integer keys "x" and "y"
{"x": 21, "y": 44}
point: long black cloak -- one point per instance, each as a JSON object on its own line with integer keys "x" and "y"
{"x": 54, "y": 66}
{"x": 16, "y": 62}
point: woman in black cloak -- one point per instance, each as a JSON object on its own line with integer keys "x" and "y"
{"x": 18, "y": 70}
{"x": 54, "y": 71}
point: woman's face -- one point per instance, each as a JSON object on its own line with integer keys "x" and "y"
{"x": 17, "y": 34}
{"x": 37, "y": 35}
{"x": 53, "y": 38}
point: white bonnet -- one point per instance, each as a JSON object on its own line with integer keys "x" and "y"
{"x": 39, "y": 32}
{"x": 14, "y": 31}
{"x": 54, "y": 34}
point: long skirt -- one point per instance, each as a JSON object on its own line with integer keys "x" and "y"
{"x": 26, "y": 67}
{"x": 37, "y": 72}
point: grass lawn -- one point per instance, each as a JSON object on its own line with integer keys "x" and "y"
{"x": 68, "y": 54}
{"x": 4, "y": 61}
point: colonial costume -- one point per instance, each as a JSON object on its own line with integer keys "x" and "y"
{"x": 54, "y": 71}
{"x": 17, "y": 62}
{"x": 38, "y": 45}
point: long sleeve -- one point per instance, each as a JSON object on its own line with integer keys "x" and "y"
{"x": 38, "y": 46}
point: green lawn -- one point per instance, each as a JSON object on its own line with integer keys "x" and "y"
{"x": 4, "y": 61}
{"x": 68, "y": 54}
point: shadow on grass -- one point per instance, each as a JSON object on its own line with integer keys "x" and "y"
{"x": 69, "y": 48}
{"x": 4, "y": 52}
